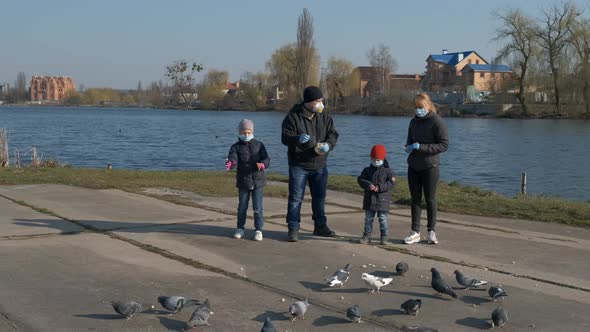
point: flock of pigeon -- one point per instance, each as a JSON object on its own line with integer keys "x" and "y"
{"x": 297, "y": 310}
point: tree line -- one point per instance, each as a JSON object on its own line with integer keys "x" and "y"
{"x": 549, "y": 53}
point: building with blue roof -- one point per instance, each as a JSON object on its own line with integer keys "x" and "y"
{"x": 445, "y": 71}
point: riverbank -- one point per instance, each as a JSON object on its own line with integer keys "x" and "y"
{"x": 453, "y": 197}
{"x": 541, "y": 111}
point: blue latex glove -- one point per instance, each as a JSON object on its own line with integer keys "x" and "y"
{"x": 411, "y": 147}
{"x": 325, "y": 147}
{"x": 304, "y": 138}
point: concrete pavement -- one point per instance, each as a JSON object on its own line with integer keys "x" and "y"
{"x": 67, "y": 252}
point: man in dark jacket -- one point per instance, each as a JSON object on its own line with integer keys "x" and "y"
{"x": 309, "y": 134}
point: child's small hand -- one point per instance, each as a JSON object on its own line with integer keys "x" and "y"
{"x": 372, "y": 187}
{"x": 261, "y": 166}
{"x": 229, "y": 164}
{"x": 376, "y": 188}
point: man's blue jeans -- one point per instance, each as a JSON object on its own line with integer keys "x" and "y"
{"x": 318, "y": 183}
{"x": 244, "y": 199}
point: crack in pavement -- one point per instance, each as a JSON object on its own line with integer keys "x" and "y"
{"x": 8, "y": 321}
{"x": 203, "y": 266}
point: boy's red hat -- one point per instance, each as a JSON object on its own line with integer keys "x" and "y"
{"x": 378, "y": 152}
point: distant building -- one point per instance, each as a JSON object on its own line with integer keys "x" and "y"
{"x": 363, "y": 81}
{"x": 405, "y": 81}
{"x": 51, "y": 88}
{"x": 445, "y": 71}
{"x": 486, "y": 77}
{"x": 4, "y": 90}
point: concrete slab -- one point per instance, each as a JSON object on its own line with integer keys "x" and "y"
{"x": 300, "y": 268}
{"x": 74, "y": 279}
{"x": 273, "y": 207}
{"x": 20, "y": 221}
{"x": 106, "y": 209}
{"x": 559, "y": 263}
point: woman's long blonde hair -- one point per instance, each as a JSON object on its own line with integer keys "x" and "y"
{"x": 422, "y": 100}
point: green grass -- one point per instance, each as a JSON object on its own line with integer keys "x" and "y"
{"x": 452, "y": 197}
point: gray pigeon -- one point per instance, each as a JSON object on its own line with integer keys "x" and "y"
{"x": 340, "y": 276}
{"x": 497, "y": 293}
{"x": 127, "y": 309}
{"x": 268, "y": 326}
{"x": 354, "y": 313}
{"x": 298, "y": 309}
{"x": 439, "y": 285}
{"x": 176, "y": 303}
{"x": 200, "y": 317}
{"x": 401, "y": 268}
{"x": 499, "y": 317}
{"x": 412, "y": 306}
{"x": 468, "y": 282}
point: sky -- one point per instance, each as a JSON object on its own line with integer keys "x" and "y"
{"x": 115, "y": 44}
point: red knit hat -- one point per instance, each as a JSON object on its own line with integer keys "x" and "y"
{"x": 378, "y": 152}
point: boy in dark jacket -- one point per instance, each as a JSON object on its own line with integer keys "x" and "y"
{"x": 377, "y": 180}
{"x": 251, "y": 158}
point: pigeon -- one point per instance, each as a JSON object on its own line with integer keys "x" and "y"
{"x": 497, "y": 293}
{"x": 127, "y": 309}
{"x": 439, "y": 285}
{"x": 354, "y": 313}
{"x": 468, "y": 282}
{"x": 375, "y": 282}
{"x": 200, "y": 317}
{"x": 268, "y": 326}
{"x": 499, "y": 317}
{"x": 412, "y": 306}
{"x": 340, "y": 277}
{"x": 401, "y": 268}
{"x": 298, "y": 309}
{"x": 176, "y": 303}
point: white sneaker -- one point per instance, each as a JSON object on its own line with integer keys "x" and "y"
{"x": 258, "y": 236}
{"x": 414, "y": 237}
{"x": 432, "y": 237}
{"x": 239, "y": 233}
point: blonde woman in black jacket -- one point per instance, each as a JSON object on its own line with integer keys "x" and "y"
{"x": 427, "y": 138}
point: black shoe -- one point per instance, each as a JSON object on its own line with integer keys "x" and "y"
{"x": 324, "y": 231}
{"x": 366, "y": 239}
{"x": 384, "y": 239}
{"x": 293, "y": 235}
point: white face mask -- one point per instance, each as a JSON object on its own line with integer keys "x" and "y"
{"x": 319, "y": 107}
{"x": 246, "y": 138}
{"x": 377, "y": 162}
{"x": 421, "y": 112}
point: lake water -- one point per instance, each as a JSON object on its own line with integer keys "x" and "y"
{"x": 489, "y": 153}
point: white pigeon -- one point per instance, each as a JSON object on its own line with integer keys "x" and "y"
{"x": 340, "y": 277}
{"x": 375, "y": 282}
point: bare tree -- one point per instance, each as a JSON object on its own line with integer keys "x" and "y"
{"x": 338, "y": 77}
{"x": 282, "y": 68}
{"x": 20, "y": 87}
{"x": 381, "y": 59}
{"x": 304, "y": 50}
{"x": 183, "y": 74}
{"x": 517, "y": 31}
{"x": 254, "y": 87}
{"x": 553, "y": 34}
{"x": 580, "y": 40}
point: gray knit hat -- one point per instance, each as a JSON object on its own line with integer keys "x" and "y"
{"x": 245, "y": 125}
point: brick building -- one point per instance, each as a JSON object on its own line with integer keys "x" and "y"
{"x": 50, "y": 88}
{"x": 487, "y": 77}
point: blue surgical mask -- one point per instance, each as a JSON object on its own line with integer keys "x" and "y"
{"x": 421, "y": 112}
{"x": 377, "y": 162}
{"x": 246, "y": 138}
